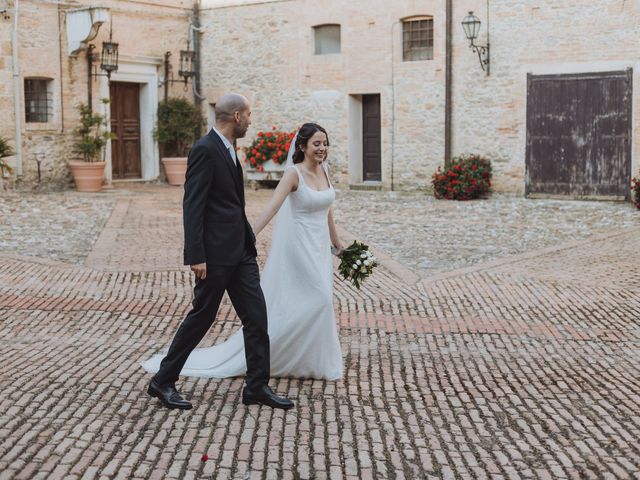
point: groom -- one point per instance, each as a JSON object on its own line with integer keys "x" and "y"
{"x": 220, "y": 248}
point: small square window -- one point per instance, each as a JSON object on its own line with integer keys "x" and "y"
{"x": 417, "y": 39}
{"x": 327, "y": 39}
{"x": 37, "y": 100}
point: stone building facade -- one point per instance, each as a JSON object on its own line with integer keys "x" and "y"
{"x": 52, "y": 68}
{"x": 266, "y": 50}
{"x": 397, "y": 94}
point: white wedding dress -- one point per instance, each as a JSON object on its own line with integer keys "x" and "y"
{"x": 297, "y": 282}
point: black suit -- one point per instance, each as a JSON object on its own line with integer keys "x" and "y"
{"x": 217, "y": 232}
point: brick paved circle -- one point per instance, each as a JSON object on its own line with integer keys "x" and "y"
{"x": 525, "y": 366}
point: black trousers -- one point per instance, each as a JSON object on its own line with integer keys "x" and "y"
{"x": 242, "y": 282}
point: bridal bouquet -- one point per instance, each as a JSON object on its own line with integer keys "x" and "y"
{"x": 357, "y": 263}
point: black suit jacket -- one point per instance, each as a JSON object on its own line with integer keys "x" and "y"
{"x": 216, "y": 229}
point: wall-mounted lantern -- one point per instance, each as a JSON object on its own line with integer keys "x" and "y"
{"x": 471, "y": 25}
{"x": 187, "y": 64}
{"x": 186, "y": 71}
{"x": 108, "y": 62}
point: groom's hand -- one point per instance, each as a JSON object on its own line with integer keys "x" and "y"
{"x": 200, "y": 270}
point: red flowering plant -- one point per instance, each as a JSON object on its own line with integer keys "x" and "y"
{"x": 270, "y": 145}
{"x": 466, "y": 177}
{"x": 635, "y": 186}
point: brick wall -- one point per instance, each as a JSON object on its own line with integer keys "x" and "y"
{"x": 144, "y": 29}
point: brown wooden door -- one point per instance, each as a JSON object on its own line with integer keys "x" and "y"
{"x": 371, "y": 149}
{"x": 125, "y": 123}
{"x": 579, "y": 134}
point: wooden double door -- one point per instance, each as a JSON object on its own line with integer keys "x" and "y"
{"x": 579, "y": 134}
{"x": 125, "y": 123}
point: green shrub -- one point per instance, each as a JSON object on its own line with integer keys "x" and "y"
{"x": 5, "y": 151}
{"x": 635, "y": 187}
{"x": 179, "y": 125}
{"x": 92, "y": 134}
{"x": 466, "y": 177}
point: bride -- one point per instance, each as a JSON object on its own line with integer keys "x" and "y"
{"x": 297, "y": 279}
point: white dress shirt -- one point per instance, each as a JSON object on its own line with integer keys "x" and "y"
{"x": 228, "y": 145}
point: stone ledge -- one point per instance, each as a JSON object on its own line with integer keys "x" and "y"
{"x": 366, "y": 186}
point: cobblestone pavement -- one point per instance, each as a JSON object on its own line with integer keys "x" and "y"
{"x": 432, "y": 236}
{"x": 524, "y": 366}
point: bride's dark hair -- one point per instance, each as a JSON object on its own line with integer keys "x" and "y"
{"x": 306, "y": 131}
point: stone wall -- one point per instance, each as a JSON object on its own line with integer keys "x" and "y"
{"x": 265, "y": 50}
{"x": 544, "y": 37}
{"x": 143, "y": 30}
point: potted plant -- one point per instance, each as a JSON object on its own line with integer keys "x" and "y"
{"x": 5, "y": 151}
{"x": 267, "y": 154}
{"x": 90, "y": 138}
{"x": 179, "y": 124}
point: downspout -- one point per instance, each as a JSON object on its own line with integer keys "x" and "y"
{"x": 195, "y": 29}
{"x": 16, "y": 91}
{"x": 447, "y": 84}
{"x": 393, "y": 102}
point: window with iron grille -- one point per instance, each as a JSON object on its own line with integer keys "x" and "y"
{"x": 417, "y": 39}
{"x": 327, "y": 39}
{"x": 37, "y": 100}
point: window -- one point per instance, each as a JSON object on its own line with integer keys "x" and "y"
{"x": 327, "y": 39}
{"x": 417, "y": 39}
{"x": 37, "y": 100}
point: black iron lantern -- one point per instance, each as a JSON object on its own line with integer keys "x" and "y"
{"x": 108, "y": 63}
{"x": 187, "y": 64}
{"x": 109, "y": 58}
{"x": 471, "y": 26}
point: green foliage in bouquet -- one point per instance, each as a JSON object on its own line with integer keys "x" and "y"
{"x": 272, "y": 145}
{"x": 5, "y": 151}
{"x": 357, "y": 263}
{"x": 635, "y": 186}
{"x": 467, "y": 177}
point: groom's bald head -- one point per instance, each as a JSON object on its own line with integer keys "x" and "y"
{"x": 228, "y": 105}
{"x": 233, "y": 115}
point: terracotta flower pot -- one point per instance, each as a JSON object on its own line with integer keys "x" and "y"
{"x": 175, "y": 169}
{"x": 88, "y": 176}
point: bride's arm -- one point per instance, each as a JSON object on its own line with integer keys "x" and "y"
{"x": 288, "y": 184}
{"x": 333, "y": 234}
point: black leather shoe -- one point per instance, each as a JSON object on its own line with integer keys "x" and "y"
{"x": 265, "y": 396}
{"x": 168, "y": 395}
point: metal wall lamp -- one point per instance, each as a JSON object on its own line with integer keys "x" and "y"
{"x": 471, "y": 25}
{"x": 186, "y": 71}
{"x": 108, "y": 62}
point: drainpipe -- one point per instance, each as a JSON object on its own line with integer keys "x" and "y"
{"x": 16, "y": 91}
{"x": 195, "y": 29}
{"x": 393, "y": 102}
{"x": 447, "y": 84}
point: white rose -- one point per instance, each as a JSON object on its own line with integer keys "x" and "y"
{"x": 358, "y": 262}
{"x": 364, "y": 255}
{"x": 355, "y": 267}
{"x": 366, "y": 262}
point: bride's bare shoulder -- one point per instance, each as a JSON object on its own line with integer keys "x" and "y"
{"x": 290, "y": 178}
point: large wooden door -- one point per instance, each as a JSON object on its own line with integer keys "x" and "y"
{"x": 371, "y": 149}
{"x": 579, "y": 134}
{"x": 125, "y": 123}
